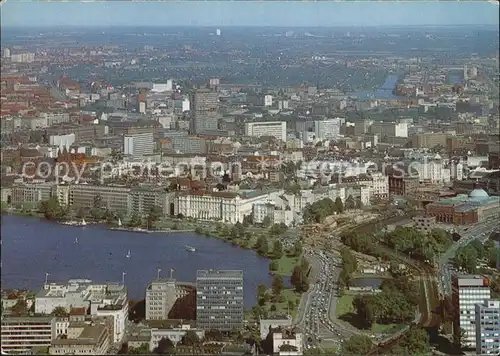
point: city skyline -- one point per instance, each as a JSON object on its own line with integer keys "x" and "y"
{"x": 242, "y": 13}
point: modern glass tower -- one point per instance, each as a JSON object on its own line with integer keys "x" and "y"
{"x": 219, "y": 299}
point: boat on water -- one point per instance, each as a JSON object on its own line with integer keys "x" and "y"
{"x": 189, "y": 248}
{"x": 83, "y": 223}
{"x": 76, "y": 240}
{"x": 119, "y": 222}
{"x": 128, "y": 254}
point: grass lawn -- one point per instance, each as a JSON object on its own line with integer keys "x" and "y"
{"x": 286, "y": 265}
{"x": 344, "y": 305}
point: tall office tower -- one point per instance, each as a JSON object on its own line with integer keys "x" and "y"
{"x": 466, "y": 72}
{"x": 467, "y": 291}
{"x": 138, "y": 145}
{"x": 488, "y": 328}
{"x": 219, "y": 299}
{"x": 205, "y": 105}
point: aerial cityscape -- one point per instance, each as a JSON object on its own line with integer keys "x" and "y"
{"x": 182, "y": 178}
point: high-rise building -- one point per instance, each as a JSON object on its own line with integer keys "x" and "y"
{"x": 138, "y": 145}
{"x": 488, "y": 328}
{"x": 219, "y": 299}
{"x": 6, "y": 53}
{"x": 205, "y": 107}
{"x": 327, "y": 129}
{"x": 269, "y": 128}
{"x": 162, "y": 296}
{"x": 468, "y": 290}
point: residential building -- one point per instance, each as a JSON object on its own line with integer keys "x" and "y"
{"x": 389, "y": 129}
{"x": 467, "y": 291}
{"x": 266, "y": 128}
{"x": 174, "y": 330}
{"x": 97, "y": 299}
{"x": 138, "y": 145}
{"x": 162, "y": 296}
{"x": 219, "y": 299}
{"x": 289, "y": 337}
{"x": 83, "y": 338}
{"x": 488, "y": 327}
{"x": 21, "y": 334}
{"x": 267, "y": 324}
{"x": 403, "y": 185}
{"x": 428, "y": 140}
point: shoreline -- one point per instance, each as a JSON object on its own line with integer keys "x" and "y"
{"x": 285, "y": 264}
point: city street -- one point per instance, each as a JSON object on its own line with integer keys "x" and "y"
{"x": 478, "y": 231}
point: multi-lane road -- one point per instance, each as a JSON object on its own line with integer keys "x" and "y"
{"x": 471, "y": 232}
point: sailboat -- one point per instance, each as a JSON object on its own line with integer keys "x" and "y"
{"x": 76, "y": 240}
{"x": 119, "y": 222}
{"x": 83, "y": 223}
{"x": 128, "y": 254}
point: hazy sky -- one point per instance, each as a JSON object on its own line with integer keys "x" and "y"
{"x": 21, "y": 13}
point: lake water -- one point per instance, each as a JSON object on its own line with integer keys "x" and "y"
{"x": 32, "y": 247}
{"x": 382, "y": 92}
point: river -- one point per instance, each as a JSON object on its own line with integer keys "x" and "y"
{"x": 382, "y": 92}
{"x": 32, "y": 247}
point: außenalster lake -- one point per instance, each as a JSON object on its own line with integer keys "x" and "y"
{"x": 32, "y": 247}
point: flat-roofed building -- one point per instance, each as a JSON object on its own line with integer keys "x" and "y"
{"x": 488, "y": 328}
{"x": 114, "y": 198}
{"x": 266, "y": 128}
{"x": 102, "y": 300}
{"x": 84, "y": 338}
{"x": 163, "y": 294}
{"x": 467, "y": 291}
{"x": 219, "y": 299}
{"x": 21, "y": 334}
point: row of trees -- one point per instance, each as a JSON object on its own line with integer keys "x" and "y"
{"x": 349, "y": 266}
{"x": 407, "y": 240}
{"x": 318, "y": 211}
{"x": 299, "y": 278}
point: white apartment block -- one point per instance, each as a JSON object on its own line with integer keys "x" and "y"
{"x": 161, "y": 296}
{"x": 432, "y": 172}
{"x": 488, "y": 328}
{"x": 226, "y": 207}
{"x": 380, "y": 185}
{"x": 98, "y": 299}
{"x": 271, "y": 128}
{"x": 467, "y": 291}
{"x": 138, "y": 145}
{"x": 275, "y": 213}
{"x": 268, "y": 100}
{"x": 287, "y": 337}
{"x": 327, "y": 129}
